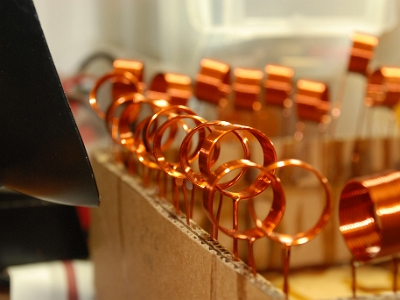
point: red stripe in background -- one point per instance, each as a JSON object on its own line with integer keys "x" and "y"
{"x": 71, "y": 281}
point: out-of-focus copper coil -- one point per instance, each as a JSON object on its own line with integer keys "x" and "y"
{"x": 129, "y": 117}
{"x": 112, "y": 120}
{"x": 383, "y": 87}
{"x": 155, "y": 122}
{"x": 136, "y": 68}
{"x": 247, "y": 89}
{"x": 278, "y": 85}
{"x": 212, "y": 81}
{"x": 122, "y": 77}
{"x": 260, "y": 184}
{"x": 301, "y": 237}
{"x": 369, "y": 215}
{"x": 205, "y": 162}
{"x": 175, "y": 88}
{"x": 361, "y": 53}
{"x": 312, "y": 99}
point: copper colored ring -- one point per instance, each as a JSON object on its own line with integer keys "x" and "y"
{"x": 130, "y": 116}
{"x": 115, "y": 76}
{"x": 169, "y": 167}
{"x": 205, "y": 163}
{"x": 142, "y": 153}
{"x": 200, "y": 179}
{"x": 169, "y": 112}
{"x": 260, "y": 184}
{"x": 301, "y": 237}
{"x": 369, "y": 215}
{"x": 112, "y": 121}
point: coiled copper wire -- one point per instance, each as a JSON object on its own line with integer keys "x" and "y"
{"x": 278, "y": 85}
{"x": 123, "y": 77}
{"x": 383, "y": 88}
{"x": 260, "y": 184}
{"x": 361, "y": 53}
{"x": 369, "y": 215}
{"x": 175, "y": 88}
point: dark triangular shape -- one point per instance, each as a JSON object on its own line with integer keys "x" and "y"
{"x": 41, "y": 151}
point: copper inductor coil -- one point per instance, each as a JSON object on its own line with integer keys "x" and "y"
{"x": 369, "y": 215}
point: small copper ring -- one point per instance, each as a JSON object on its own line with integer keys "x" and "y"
{"x": 112, "y": 121}
{"x": 169, "y": 112}
{"x": 369, "y": 215}
{"x": 116, "y": 76}
{"x": 205, "y": 163}
{"x": 173, "y": 168}
{"x": 301, "y": 237}
{"x": 260, "y": 184}
{"x": 199, "y": 179}
{"x": 130, "y": 116}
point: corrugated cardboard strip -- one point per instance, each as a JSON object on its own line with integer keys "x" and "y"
{"x": 141, "y": 250}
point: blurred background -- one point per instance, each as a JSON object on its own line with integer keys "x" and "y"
{"x": 310, "y": 36}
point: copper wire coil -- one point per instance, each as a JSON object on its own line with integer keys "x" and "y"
{"x": 369, "y": 215}
{"x": 278, "y": 84}
{"x": 247, "y": 89}
{"x": 174, "y": 168}
{"x": 199, "y": 178}
{"x": 122, "y": 77}
{"x": 156, "y": 120}
{"x": 212, "y": 81}
{"x": 312, "y": 100}
{"x": 301, "y": 237}
{"x": 268, "y": 150}
{"x": 361, "y": 53}
{"x": 136, "y": 68}
{"x": 113, "y": 120}
{"x": 383, "y": 88}
{"x": 259, "y": 185}
{"x": 175, "y": 88}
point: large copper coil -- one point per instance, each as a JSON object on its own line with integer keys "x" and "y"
{"x": 369, "y": 215}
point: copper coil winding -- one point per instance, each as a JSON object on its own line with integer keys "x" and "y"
{"x": 361, "y": 53}
{"x": 369, "y": 214}
{"x": 383, "y": 88}
{"x": 278, "y": 85}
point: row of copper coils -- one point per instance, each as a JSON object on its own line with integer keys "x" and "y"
{"x": 369, "y": 206}
{"x": 148, "y": 137}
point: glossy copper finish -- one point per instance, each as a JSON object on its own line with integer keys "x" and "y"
{"x": 172, "y": 168}
{"x": 383, "y": 87}
{"x": 112, "y": 118}
{"x": 260, "y": 184}
{"x": 122, "y": 77}
{"x": 312, "y": 100}
{"x": 361, "y": 53}
{"x": 287, "y": 240}
{"x": 175, "y": 88}
{"x": 205, "y": 161}
{"x": 247, "y": 89}
{"x": 278, "y": 85}
{"x": 212, "y": 81}
{"x": 369, "y": 215}
{"x": 136, "y": 68}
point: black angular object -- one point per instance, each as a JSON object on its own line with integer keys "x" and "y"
{"x": 33, "y": 231}
{"x": 41, "y": 152}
